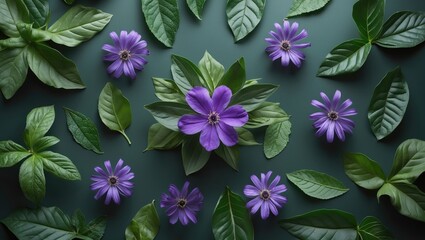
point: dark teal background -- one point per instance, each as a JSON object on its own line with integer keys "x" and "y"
{"x": 155, "y": 170}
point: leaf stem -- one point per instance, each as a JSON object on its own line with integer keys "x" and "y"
{"x": 126, "y": 137}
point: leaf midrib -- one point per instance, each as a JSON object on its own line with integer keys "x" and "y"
{"x": 328, "y": 186}
{"x": 231, "y": 215}
{"x": 71, "y": 113}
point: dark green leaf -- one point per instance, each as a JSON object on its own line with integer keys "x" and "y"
{"x": 316, "y": 184}
{"x": 372, "y": 229}
{"x": 194, "y": 155}
{"x": 322, "y": 224}
{"x": 78, "y": 220}
{"x": 59, "y": 165}
{"x": 162, "y": 18}
{"x": 11, "y": 153}
{"x": 299, "y": 7}
{"x": 168, "y": 113}
{"x": 235, "y": 76}
{"x": 144, "y": 225}
{"x": 83, "y": 130}
{"x": 114, "y": 109}
{"x": 32, "y": 180}
{"x": 185, "y": 73}
{"x": 345, "y": 58}
{"x": 13, "y": 70}
{"x": 94, "y": 230}
{"x": 409, "y": 161}
{"x": 251, "y": 97}
{"x": 11, "y": 13}
{"x": 243, "y": 16}
{"x": 369, "y": 16}
{"x": 52, "y": 68}
{"x": 229, "y": 154}
{"x": 266, "y": 114}
{"x": 39, "y": 121}
{"x": 167, "y": 90}
{"x": 403, "y": 30}
{"x": 69, "y": 2}
{"x": 162, "y": 138}
{"x": 44, "y": 143}
{"x": 276, "y": 138}
{"x": 231, "y": 220}
{"x": 245, "y": 137}
{"x": 196, "y": 6}
{"x": 363, "y": 171}
{"x": 211, "y": 70}
{"x": 13, "y": 42}
{"x": 39, "y": 12}
{"x": 77, "y": 25}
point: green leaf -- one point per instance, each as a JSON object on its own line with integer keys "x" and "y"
{"x": 369, "y": 17}
{"x": 251, "y": 97}
{"x": 13, "y": 70}
{"x": 322, "y": 224}
{"x": 11, "y": 153}
{"x": 276, "y": 138}
{"x": 167, "y": 90}
{"x": 231, "y": 218}
{"x": 388, "y": 104}
{"x": 83, "y": 130}
{"x": 235, "y": 76}
{"x": 300, "y": 7}
{"x": 229, "y": 154}
{"x": 406, "y": 198}
{"x": 114, "y": 109}
{"x": 59, "y": 165}
{"x": 372, "y": 229}
{"x": 196, "y": 6}
{"x": 194, "y": 155}
{"x": 32, "y": 180}
{"x": 77, "y": 25}
{"x": 211, "y": 70}
{"x": 409, "y": 161}
{"x": 266, "y": 114}
{"x": 39, "y": 12}
{"x": 13, "y": 42}
{"x": 245, "y": 137}
{"x": 168, "y": 113}
{"x": 316, "y": 184}
{"x": 69, "y": 2}
{"x": 39, "y": 121}
{"x": 185, "y": 73}
{"x": 162, "y": 138}
{"x": 144, "y": 225}
{"x": 403, "y": 30}
{"x": 94, "y": 230}
{"x": 162, "y": 18}
{"x": 44, "y": 143}
{"x": 243, "y": 16}
{"x": 363, "y": 171}
{"x": 52, "y": 68}
{"x": 12, "y": 12}
{"x": 347, "y": 57}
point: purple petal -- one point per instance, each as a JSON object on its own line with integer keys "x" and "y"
{"x": 183, "y": 218}
{"x": 108, "y": 196}
{"x": 295, "y": 59}
{"x": 293, "y": 30}
{"x": 320, "y": 105}
{"x": 285, "y": 58}
{"x": 339, "y": 132}
{"x": 185, "y": 190}
{"x": 347, "y": 103}
{"x": 109, "y": 168}
{"x": 115, "y": 38}
{"x": 121, "y": 172}
{"x": 265, "y": 211}
{"x": 254, "y": 204}
{"x": 111, "y": 57}
{"x": 124, "y": 191}
{"x": 191, "y": 216}
{"x": 300, "y": 45}
{"x": 278, "y": 189}
{"x": 199, "y": 100}
{"x": 251, "y": 191}
{"x": 273, "y": 208}
{"x": 272, "y": 41}
{"x": 265, "y": 178}
{"x": 330, "y": 132}
{"x": 209, "y": 138}
{"x": 275, "y": 181}
{"x": 235, "y": 116}
{"x": 115, "y": 195}
{"x": 257, "y": 182}
{"x": 101, "y": 192}
{"x": 303, "y": 34}
{"x": 101, "y": 172}
{"x": 276, "y": 53}
{"x": 172, "y": 210}
{"x": 350, "y": 112}
{"x": 118, "y": 167}
{"x": 174, "y": 218}
{"x": 335, "y": 99}
{"x": 221, "y": 98}
{"x": 123, "y": 40}
{"x": 114, "y": 66}
{"x": 318, "y": 115}
{"x": 192, "y": 124}
{"x": 278, "y": 199}
{"x": 174, "y": 191}
{"x": 110, "y": 49}
{"x": 286, "y": 30}
{"x": 129, "y": 70}
{"x": 227, "y": 134}
{"x": 98, "y": 185}
{"x": 323, "y": 128}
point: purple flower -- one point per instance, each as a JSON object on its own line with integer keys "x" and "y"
{"x": 214, "y": 120}
{"x": 283, "y": 44}
{"x": 333, "y": 117}
{"x": 127, "y": 54}
{"x": 265, "y": 196}
{"x": 113, "y": 182}
{"x": 182, "y": 205}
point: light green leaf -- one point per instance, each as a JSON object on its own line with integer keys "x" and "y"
{"x": 266, "y": 114}
{"x": 32, "y": 180}
{"x": 39, "y": 12}
{"x": 13, "y": 42}
{"x": 211, "y": 70}
{"x": 77, "y": 25}
{"x": 162, "y": 138}
{"x": 363, "y": 171}
{"x": 52, "y": 68}
{"x": 403, "y": 30}
{"x": 162, "y": 18}
{"x": 229, "y": 154}
{"x": 388, "y": 104}
{"x": 245, "y": 137}
{"x": 44, "y": 143}
{"x": 231, "y": 218}
{"x": 12, "y": 12}
{"x": 59, "y": 165}
{"x": 196, "y": 6}
{"x": 194, "y": 155}
{"x": 300, "y": 7}
{"x": 167, "y": 90}
{"x": 114, "y": 109}
{"x": 409, "y": 161}
{"x": 11, "y": 153}
{"x": 369, "y": 17}
{"x": 243, "y": 16}
{"x": 325, "y": 224}
{"x": 144, "y": 225}
{"x": 372, "y": 229}
{"x": 316, "y": 184}
{"x": 276, "y": 138}
{"x": 13, "y": 70}
{"x": 168, "y": 113}
{"x": 252, "y": 96}
{"x": 235, "y": 76}
{"x": 83, "y": 130}
{"x": 39, "y": 121}
{"x": 347, "y": 57}
{"x": 185, "y": 74}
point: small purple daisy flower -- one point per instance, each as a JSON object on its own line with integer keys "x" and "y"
{"x": 283, "y": 44}
{"x": 127, "y": 54}
{"x": 113, "y": 182}
{"x": 333, "y": 117}
{"x": 182, "y": 205}
{"x": 265, "y": 196}
{"x": 214, "y": 120}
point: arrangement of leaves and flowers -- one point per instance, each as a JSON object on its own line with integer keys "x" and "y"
{"x": 25, "y": 22}
{"x": 220, "y": 105}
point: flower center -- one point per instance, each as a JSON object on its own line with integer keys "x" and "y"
{"x": 265, "y": 194}
{"x": 113, "y": 180}
{"x": 285, "y": 45}
{"x": 125, "y": 55}
{"x": 182, "y": 203}
{"x": 213, "y": 118}
{"x": 332, "y": 115}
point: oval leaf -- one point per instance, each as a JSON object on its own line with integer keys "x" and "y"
{"x": 11, "y": 153}
{"x": 231, "y": 220}
{"x": 245, "y": 137}
{"x": 299, "y": 7}
{"x": 388, "y": 104}
{"x": 168, "y": 113}
{"x": 276, "y": 138}
{"x": 252, "y": 96}
{"x": 162, "y": 138}
{"x": 59, "y": 165}
{"x": 32, "y": 180}
{"x": 229, "y": 154}
{"x": 266, "y": 114}
{"x": 194, "y": 155}
{"x": 372, "y": 229}
{"x": 211, "y": 70}
{"x": 196, "y": 6}
{"x": 114, "y": 109}
{"x": 167, "y": 90}
{"x": 185, "y": 73}
{"x": 363, "y": 171}
{"x": 39, "y": 12}
{"x": 39, "y": 121}
{"x": 162, "y": 18}
{"x": 13, "y": 70}
{"x": 409, "y": 161}
{"x": 345, "y": 58}
{"x": 44, "y": 143}
{"x": 144, "y": 225}
{"x": 243, "y": 16}
{"x": 235, "y": 76}
{"x": 369, "y": 16}
{"x": 11, "y": 13}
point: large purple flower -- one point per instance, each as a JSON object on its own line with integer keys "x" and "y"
{"x": 182, "y": 205}
{"x": 333, "y": 117}
{"x": 214, "y": 120}
{"x": 265, "y": 196}
{"x": 113, "y": 182}
{"x": 127, "y": 54}
{"x": 283, "y": 44}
